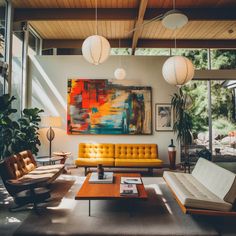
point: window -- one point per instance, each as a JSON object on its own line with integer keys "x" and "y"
{"x": 197, "y": 56}
{"x": 34, "y": 43}
{"x": 223, "y": 119}
{"x": 3, "y": 8}
{"x": 223, "y": 114}
{"x": 152, "y": 52}
{"x": 17, "y": 71}
{"x": 3, "y": 23}
{"x": 198, "y": 111}
{"x": 120, "y": 51}
{"x": 223, "y": 59}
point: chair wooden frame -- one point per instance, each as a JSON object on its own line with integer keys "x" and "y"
{"x": 199, "y": 211}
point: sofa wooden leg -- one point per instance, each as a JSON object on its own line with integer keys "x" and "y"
{"x": 85, "y": 171}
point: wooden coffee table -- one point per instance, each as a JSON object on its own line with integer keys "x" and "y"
{"x": 90, "y": 191}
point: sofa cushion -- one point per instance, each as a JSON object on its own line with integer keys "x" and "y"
{"x": 138, "y": 162}
{"x": 191, "y": 193}
{"x": 136, "y": 151}
{"x": 94, "y": 161}
{"x": 96, "y": 150}
{"x": 218, "y": 180}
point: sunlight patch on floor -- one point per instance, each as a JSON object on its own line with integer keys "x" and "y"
{"x": 159, "y": 192}
{"x": 65, "y": 204}
{"x": 11, "y": 220}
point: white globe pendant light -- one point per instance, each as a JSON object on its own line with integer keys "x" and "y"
{"x": 96, "y": 49}
{"x": 178, "y": 70}
{"x": 120, "y": 73}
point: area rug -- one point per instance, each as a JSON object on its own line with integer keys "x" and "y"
{"x": 159, "y": 215}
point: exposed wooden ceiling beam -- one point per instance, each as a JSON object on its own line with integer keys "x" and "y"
{"x": 215, "y": 14}
{"x": 137, "y": 32}
{"x": 144, "y": 43}
{"x": 77, "y": 43}
{"x": 39, "y": 14}
{"x": 36, "y": 14}
{"x": 186, "y": 43}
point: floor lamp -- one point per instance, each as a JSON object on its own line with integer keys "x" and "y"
{"x": 51, "y": 122}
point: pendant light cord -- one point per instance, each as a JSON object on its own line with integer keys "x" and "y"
{"x": 119, "y": 55}
{"x": 175, "y": 41}
{"x": 96, "y": 17}
{"x": 175, "y": 28}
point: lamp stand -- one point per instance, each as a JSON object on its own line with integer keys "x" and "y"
{"x": 50, "y": 137}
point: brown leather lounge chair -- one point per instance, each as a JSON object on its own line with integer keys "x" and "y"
{"x": 26, "y": 182}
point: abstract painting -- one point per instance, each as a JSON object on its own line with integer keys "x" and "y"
{"x": 101, "y": 107}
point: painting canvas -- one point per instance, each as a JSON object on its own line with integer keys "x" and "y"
{"x": 101, "y": 107}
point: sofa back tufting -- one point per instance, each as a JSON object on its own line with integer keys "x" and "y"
{"x": 99, "y": 150}
{"x": 136, "y": 151}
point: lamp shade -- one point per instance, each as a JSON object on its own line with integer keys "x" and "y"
{"x": 174, "y": 19}
{"x": 178, "y": 70}
{"x": 50, "y": 121}
{"x": 120, "y": 73}
{"x": 96, "y": 49}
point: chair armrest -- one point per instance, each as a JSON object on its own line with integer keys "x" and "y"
{"x": 27, "y": 183}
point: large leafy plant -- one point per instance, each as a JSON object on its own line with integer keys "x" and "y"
{"x": 8, "y": 128}
{"x": 29, "y": 125}
{"x": 16, "y": 136}
{"x": 183, "y": 122}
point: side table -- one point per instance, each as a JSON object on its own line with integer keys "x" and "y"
{"x": 47, "y": 160}
{"x": 63, "y": 156}
{"x": 187, "y": 166}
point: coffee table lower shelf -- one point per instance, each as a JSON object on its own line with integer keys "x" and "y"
{"x": 91, "y": 192}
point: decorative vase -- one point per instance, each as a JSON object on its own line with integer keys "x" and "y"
{"x": 172, "y": 155}
{"x": 100, "y": 171}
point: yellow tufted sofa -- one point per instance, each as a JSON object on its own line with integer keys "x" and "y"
{"x": 118, "y": 155}
{"x": 138, "y": 155}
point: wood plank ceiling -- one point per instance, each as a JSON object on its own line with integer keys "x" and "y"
{"x": 66, "y": 23}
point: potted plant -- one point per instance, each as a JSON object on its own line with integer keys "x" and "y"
{"x": 8, "y": 128}
{"x": 16, "y": 136}
{"x": 29, "y": 125}
{"x": 183, "y": 122}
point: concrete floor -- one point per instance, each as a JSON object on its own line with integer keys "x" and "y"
{"x": 10, "y": 221}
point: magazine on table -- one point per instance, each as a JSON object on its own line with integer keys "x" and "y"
{"x": 128, "y": 190}
{"x": 131, "y": 180}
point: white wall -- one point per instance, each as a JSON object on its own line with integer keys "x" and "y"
{"x": 48, "y": 79}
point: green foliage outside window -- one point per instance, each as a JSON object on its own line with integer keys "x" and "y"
{"x": 222, "y": 107}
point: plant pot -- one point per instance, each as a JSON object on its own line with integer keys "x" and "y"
{"x": 172, "y": 159}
